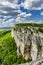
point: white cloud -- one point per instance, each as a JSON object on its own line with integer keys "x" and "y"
{"x": 21, "y": 17}
{"x": 41, "y": 13}
{"x": 19, "y": 20}
{"x": 7, "y": 23}
{"x": 23, "y": 14}
{"x": 0, "y": 15}
{"x": 1, "y": 20}
{"x": 28, "y": 15}
{"x": 1, "y": 11}
{"x": 19, "y": 11}
{"x": 28, "y": 4}
{"x": 6, "y": 3}
{"x": 34, "y": 0}
{"x": 38, "y": 8}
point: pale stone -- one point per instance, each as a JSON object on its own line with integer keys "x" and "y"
{"x": 27, "y": 43}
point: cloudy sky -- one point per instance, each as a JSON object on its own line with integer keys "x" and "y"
{"x": 19, "y": 11}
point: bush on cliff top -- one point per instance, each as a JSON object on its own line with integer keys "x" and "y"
{"x": 30, "y": 24}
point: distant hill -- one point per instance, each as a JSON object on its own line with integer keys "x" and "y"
{"x": 5, "y": 27}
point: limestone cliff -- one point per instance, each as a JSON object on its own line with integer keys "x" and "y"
{"x": 29, "y": 41}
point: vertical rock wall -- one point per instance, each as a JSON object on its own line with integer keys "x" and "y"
{"x": 29, "y": 42}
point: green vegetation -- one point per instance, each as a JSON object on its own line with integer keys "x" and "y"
{"x": 30, "y": 24}
{"x": 41, "y": 30}
{"x": 8, "y": 54}
{"x": 8, "y": 48}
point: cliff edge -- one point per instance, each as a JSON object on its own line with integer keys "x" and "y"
{"x": 29, "y": 40}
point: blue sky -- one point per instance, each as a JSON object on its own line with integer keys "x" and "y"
{"x": 20, "y": 11}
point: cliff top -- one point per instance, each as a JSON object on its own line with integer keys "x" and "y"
{"x": 39, "y": 27}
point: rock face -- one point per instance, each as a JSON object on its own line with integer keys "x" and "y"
{"x": 29, "y": 41}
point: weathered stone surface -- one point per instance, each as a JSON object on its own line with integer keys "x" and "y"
{"x": 29, "y": 42}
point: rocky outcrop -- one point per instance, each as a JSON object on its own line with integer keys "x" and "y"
{"x": 29, "y": 41}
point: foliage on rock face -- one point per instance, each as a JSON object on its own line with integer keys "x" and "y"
{"x": 41, "y": 30}
{"x": 8, "y": 54}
